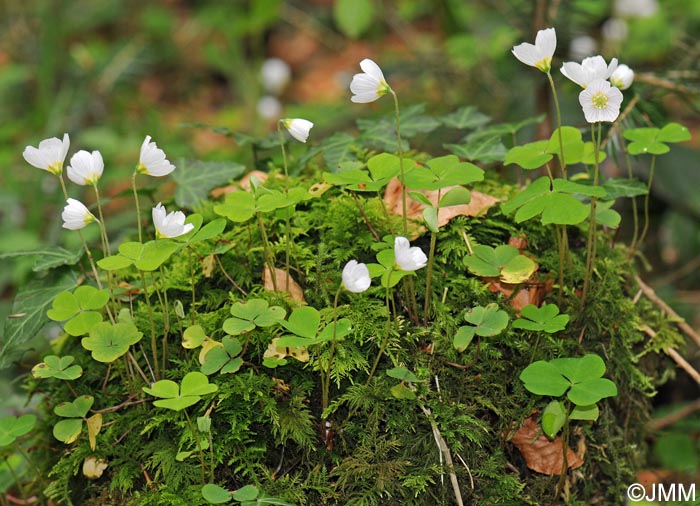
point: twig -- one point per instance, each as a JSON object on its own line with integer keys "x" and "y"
{"x": 469, "y": 471}
{"x": 676, "y": 357}
{"x": 674, "y": 417}
{"x": 445, "y": 451}
{"x": 682, "y": 324}
{"x": 231, "y": 280}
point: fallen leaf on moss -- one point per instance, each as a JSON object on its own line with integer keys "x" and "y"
{"x": 479, "y": 203}
{"x": 294, "y": 290}
{"x": 542, "y": 454}
{"x": 208, "y": 265}
{"x": 243, "y": 184}
{"x": 274, "y": 351}
{"x": 520, "y": 295}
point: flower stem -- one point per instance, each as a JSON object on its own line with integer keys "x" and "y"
{"x": 645, "y": 228}
{"x": 199, "y": 447}
{"x": 327, "y": 382}
{"x": 138, "y": 207}
{"x": 562, "y": 161}
{"x": 591, "y": 245}
{"x": 400, "y": 148}
{"x": 429, "y": 277}
{"x": 288, "y": 227}
{"x": 154, "y": 343}
{"x": 194, "y": 293}
{"x": 20, "y": 487}
{"x": 103, "y": 229}
{"x": 385, "y": 341}
{"x": 269, "y": 257}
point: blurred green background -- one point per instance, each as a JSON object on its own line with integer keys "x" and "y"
{"x": 110, "y": 72}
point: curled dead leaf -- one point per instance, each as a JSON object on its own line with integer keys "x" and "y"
{"x": 243, "y": 184}
{"x": 542, "y": 454}
{"x": 520, "y": 295}
{"x": 274, "y": 351}
{"x": 294, "y": 290}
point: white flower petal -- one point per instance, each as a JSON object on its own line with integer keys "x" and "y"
{"x": 50, "y": 155}
{"x": 526, "y": 53}
{"x": 152, "y": 160}
{"x": 85, "y": 168}
{"x": 600, "y": 102}
{"x": 408, "y": 258}
{"x": 298, "y": 128}
{"x": 546, "y": 42}
{"x": 540, "y": 54}
{"x": 370, "y": 85}
{"x": 371, "y": 68}
{"x": 169, "y": 225}
{"x": 75, "y": 215}
{"x": 356, "y": 277}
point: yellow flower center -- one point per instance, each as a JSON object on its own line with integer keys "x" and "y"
{"x": 544, "y": 65}
{"x": 55, "y": 168}
{"x": 383, "y": 89}
{"x": 600, "y": 100}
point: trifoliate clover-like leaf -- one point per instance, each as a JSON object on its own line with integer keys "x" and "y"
{"x": 250, "y": 314}
{"x": 178, "y": 397}
{"x": 79, "y": 308}
{"x": 541, "y": 319}
{"x": 653, "y": 140}
{"x": 57, "y": 367}
{"x": 402, "y": 373}
{"x": 12, "y": 427}
{"x": 214, "y": 494}
{"x": 484, "y": 321}
{"x": 442, "y": 172}
{"x": 75, "y": 411}
{"x": 504, "y": 262}
{"x": 108, "y": 341}
{"x": 224, "y": 358}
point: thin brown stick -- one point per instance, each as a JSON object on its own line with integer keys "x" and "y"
{"x": 676, "y": 357}
{"x": 674, "y": 417}
{"x": 682, "y": 324}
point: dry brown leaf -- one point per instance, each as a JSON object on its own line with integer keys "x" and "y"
{"x": 480, "y": 202}
{"x": 94, "y": 424}
{"x": 532, "y": 292}
{"x": 542, "y": 454}
{"x": 243, "y": 184}
{"x": 208, "y": 265}
{"x": 273, "y": 350}
{"x": 294, "y": 290}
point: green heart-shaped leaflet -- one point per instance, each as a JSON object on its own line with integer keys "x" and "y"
{"x": 223, "y": 357}
{"x": 487, "y": 321}
{"x": 214, "y": 494}
{"x": 303, "y": 322}
{"x": 178, "y": 397}
{"x": 108, "y": 341}
{"x": 541, "y": 319}
{"x": 57, "y": 367}
{"x": 249, "y": 314}
{"x": 12, "y": 427}
{"x": 75, "y": 409}
{"x": 402, "y": 373}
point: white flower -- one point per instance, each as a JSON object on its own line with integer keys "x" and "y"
{"x": 275, "y": 74}
{"x": 50, "y": 154}
{"x": 408, "y": 258}
{"x": 356, "y": 277}
{"x": 85, "y": 168}
{"x": 152, "y": 160}
{"x": 582, "y": 46}
{"x": 269, "y": 107}
{"x": 298, "y": 128}
{"x": 76, "y": 216}
{"x": 170, "y": 225}
{"x": 636, "y": 8}
{"x": 539, "y": 55}
{"x": 622, "y": 78}
{"x": 369, "y": 85}
{"x": 590, "y": 69}
{"x": 614, "y": 30}
{"x": 600, "y": 102}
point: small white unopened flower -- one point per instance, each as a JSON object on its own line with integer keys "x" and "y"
{"x": 152, "y": 160}
{"x": 600, "y": 102}
{"x": 275, "y": 75}
{"x": 85, "y": 168}
{"x": 370, "y": 84}
{"x": 356, "y": 277}
{"x": 540, "y": 55}
{"x": 408, "y": 258}
{"x": 76, "y": 216}
{"x": 590, "y": 69}
{"x": 298, "y": 128}
{"x": 169, "y": 225}
{"x": 622, "y": 78}
{"x": 50, "y": 154}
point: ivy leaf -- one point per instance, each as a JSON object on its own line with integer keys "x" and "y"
{"x": 108, "y": 341}
{"x": 541, "y": 319}
{"x": 57, "y": 367}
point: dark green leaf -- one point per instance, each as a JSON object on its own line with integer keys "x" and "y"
{"x": 196, "y": 178}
